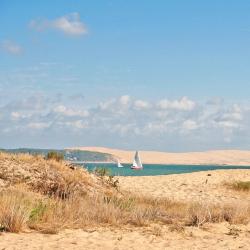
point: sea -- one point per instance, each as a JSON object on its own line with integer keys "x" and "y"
{"x": 155, "y": 169}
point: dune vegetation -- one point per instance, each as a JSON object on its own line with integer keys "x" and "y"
{"x": 48, "y": 195}
{"x": 239, "y": 186}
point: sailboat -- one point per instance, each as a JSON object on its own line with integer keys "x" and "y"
{"x": 137, "y": 162}
{"x": 119, "y": 165}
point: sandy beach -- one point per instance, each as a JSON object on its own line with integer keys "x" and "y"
{"x": 214, "y": 157}
{"x": 205, "y": 186}
{"x": 213, "y": 237}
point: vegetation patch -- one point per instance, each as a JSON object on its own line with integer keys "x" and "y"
{"x": 239, "y": 186}
{"x": 69, "y": 155}
{"x": 53, "y": 155}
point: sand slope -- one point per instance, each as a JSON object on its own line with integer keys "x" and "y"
{"x": 217, "y": 157}
{"x": 205, "y": 186}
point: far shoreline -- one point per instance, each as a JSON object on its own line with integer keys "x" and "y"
{"x": 163, "y": 164}
{"x": 211, "y": 158}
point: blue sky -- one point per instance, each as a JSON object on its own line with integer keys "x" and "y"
{"x": 165, "y": 75}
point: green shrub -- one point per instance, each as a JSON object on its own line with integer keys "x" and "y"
{"x": 37, "y": 211}
{"x": 55, "y": 156}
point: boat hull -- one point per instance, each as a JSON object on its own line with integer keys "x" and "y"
{"x": 136, "y": 168}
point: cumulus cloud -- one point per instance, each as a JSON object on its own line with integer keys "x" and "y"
{"x": 38, "y": 125}
{"x": 190, "y": 125}
{"x": 11, "y": 47}
{"x": 140, "y": 104}
{"x": 15, "y": 116}
{"x": 75, "y": 124}
{"x": 106, "y": 104}
{"x": 61, "y": 109}
{"x": 70, "y": 24}
{"x": 182, "y": 124}
{"x": 184, "y": 104}
{"x": 125, "y": 99}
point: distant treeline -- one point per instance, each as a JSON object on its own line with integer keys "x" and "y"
{"x": 70, "y": 155}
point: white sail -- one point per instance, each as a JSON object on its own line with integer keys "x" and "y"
{"x": 137, "y": 161}
{"x": 119, "y": 165}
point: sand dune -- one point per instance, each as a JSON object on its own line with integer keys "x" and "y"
{"x": 216, "y": 157}
{"x": 184, "y": 187}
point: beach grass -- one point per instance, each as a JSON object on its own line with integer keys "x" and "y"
{"x": 239, "y": 186}
{"x": 20, "y": 210}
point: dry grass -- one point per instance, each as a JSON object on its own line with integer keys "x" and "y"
{"x": 48, "y": 177}
{"x": 177, "y": 228}
{"x": 54, "y": 197}
{"x": 19, "y": 210}
{"x": 239, "y": 186}
{"x": 199, "y": 214}
{"x": 15, "y": 207}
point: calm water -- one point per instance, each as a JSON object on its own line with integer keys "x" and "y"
{"x": 156, "y": 169}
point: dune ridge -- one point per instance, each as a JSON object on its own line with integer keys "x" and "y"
{"x": 213, "y": 157}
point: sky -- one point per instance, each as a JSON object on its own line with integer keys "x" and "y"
{"x": 147, "y": 75}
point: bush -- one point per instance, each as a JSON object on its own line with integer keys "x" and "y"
{"x": 242, "y": 185}
{"x": 239, "y": 185}
{"x": 55, "y": 156}
{"x": 102, "y": 172}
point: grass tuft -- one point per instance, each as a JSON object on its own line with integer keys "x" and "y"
{"x": 15, "y": 207}
{"x": 241, "y": 186}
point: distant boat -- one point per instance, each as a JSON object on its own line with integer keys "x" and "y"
{"x": 137, "y": 162}
{"x": 119, "y": 165}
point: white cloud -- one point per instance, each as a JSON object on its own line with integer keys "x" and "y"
{"x": 69, "y": 24}
{"x": 106, "y": 104}
{"x": 128, "y": 121}
{"x": 124, "y": 100}
{"x": 15, "y": 116}
{"x": 78, "y": 124}
{"x": 139, "y": 104}
{"x": 232, "y": 116}
{"x": 184, "y": 104}
{"x": 38, "y": 125}
{"x": 227, "y": 124}
{"x": 11, "y": 47}
{"x": 61, "y": 109}
{"x": 190, "y": 125}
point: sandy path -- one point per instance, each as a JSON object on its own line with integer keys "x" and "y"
{"x": 214, "y": 237}
{"x": 191, "y": 186}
